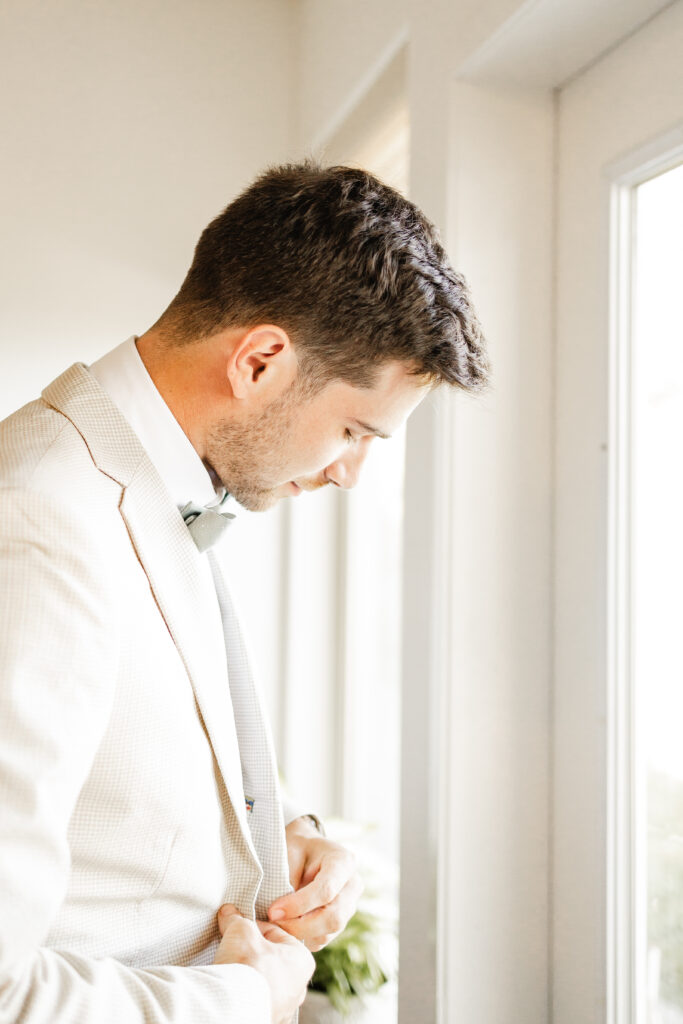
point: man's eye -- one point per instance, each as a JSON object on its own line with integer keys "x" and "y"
{"x": 348, "y": 436}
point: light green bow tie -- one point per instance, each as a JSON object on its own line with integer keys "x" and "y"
{"x": 206, "y": 524}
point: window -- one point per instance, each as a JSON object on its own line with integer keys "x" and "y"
{"x": 657, "y": 587}
{"x": 370, "y": 537}
{"x": 618, "y": 363}
{"x": 342, "y": 582}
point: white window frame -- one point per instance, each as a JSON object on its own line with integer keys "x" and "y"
{"x": 521, "y": 57}
{"x": 626, "y": 853}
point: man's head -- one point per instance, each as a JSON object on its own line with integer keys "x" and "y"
{"x": 328, "y": 296}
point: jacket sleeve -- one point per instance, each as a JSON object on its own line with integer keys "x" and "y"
{"x": 58, "y": 654}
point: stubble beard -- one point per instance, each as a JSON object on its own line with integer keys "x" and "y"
{"x": 249, "y": 456}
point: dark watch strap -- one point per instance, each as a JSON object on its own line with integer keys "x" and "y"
{"x": 316, "y": 822}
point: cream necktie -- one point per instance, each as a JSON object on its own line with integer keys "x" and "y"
{"x": 259, "y": 768}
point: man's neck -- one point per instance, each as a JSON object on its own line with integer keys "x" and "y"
{"x": 172, "y": 375}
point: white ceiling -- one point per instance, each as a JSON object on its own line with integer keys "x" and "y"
{"x": 547, "y": 42}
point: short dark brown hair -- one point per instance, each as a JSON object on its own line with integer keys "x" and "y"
{"x": 352, "y": 270}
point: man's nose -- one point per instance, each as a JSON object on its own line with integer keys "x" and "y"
{"x": 345, "y": 471}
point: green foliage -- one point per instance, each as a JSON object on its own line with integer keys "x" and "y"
{"x": 352, "y": 966}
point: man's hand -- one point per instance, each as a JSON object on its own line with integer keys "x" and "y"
{"x": 283, "y": 961}
{"x": 326, "y": 883}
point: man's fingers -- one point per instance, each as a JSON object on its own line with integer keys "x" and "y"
{"x": 282, "y": 960}
{"x": 229, "y": 915}
{"x": 319, "y": 927}
{"x": 273, "y": 933}
{"x": 336, "y": 868}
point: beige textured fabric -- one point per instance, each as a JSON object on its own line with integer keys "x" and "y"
{"x": 122, "y": 819}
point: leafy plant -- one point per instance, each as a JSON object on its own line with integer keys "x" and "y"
{"x": 354, "y": 965}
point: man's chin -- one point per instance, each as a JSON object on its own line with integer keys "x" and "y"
{"x": 259, "y": 501}
{"x": 260, "y": 504}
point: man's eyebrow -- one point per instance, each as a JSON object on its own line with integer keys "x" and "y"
{"x": 372, "y": 430}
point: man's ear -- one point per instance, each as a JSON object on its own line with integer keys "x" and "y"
{"x": 262, "y": 364}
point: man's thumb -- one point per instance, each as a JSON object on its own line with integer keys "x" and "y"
{"x": 225, "y": 915}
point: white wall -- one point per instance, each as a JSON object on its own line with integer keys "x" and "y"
{"x": 344, "y": 44}
{"x": 341, "y": 44}
{"x": 126, "y": 126}
{"x": 501, "y": 507}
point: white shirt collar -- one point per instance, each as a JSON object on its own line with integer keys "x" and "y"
{"x": 123, "y": 375}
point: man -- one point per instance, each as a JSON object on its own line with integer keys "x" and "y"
{"x": 146, "y": 873}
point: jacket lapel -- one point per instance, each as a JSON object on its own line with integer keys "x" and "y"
{"x": 170, "y": 561}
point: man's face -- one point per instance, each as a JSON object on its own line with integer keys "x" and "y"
{"x": 299, "y": 443}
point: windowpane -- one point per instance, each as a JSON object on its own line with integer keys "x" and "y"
{"x": 372, "y": 662}
{"x": 373, "y": 522}
{"x": 657, "y": 575}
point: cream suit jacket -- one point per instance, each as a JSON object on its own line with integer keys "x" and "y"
{"x": 122, "y": 817}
